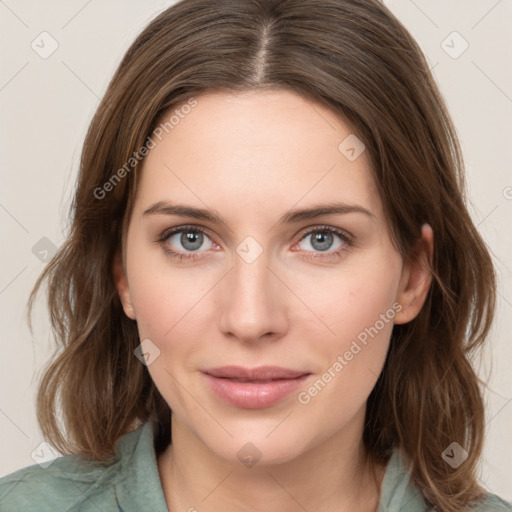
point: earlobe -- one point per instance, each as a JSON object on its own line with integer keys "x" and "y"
{"x": 416, "y": 278}
{"x": 121, "y": 284}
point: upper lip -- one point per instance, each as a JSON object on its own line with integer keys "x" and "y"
{"x": 259, "y": 373}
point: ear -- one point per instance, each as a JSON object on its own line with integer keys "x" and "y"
{"x": 121, "y": 283}
{"x": 416, "y": 278}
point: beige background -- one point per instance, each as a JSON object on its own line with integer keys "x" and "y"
{"x": 47, "y": 103}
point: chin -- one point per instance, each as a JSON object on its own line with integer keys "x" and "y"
{"x": 259, "y": 450}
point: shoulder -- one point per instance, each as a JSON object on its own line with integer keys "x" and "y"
{"x": 69, "y": 482}
{"x": 493, "y": 503}
{"x": 399, "y": 494}
{"x": 64, "y": 484}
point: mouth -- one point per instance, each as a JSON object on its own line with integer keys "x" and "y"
{"x": 254, "y": 388}
{"x": 260, "y": 373}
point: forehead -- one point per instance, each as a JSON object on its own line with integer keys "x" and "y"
{"x": 265, "y": 150}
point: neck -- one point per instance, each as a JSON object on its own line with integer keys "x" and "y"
{"x": 332, "y": 475}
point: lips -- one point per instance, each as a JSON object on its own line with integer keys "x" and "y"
{"x": 262, "y": 373}
{"x": 253, "y": 388}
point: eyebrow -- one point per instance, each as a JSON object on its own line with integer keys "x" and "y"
{"x": 290, "y": 217}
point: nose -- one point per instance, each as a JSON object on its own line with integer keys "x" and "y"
{"x": 253, "y": 300}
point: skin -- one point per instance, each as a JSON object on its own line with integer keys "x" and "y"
{"x": 252, "y": 157}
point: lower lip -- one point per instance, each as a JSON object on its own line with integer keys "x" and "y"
{"x": 253, "y": 395}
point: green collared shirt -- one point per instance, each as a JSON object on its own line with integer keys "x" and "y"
{"x": 132, "y": 484}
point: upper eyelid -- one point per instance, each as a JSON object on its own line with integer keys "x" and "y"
{"x": 190, "y": 227}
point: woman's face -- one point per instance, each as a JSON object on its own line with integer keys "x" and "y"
{"x": 258, "y": 288}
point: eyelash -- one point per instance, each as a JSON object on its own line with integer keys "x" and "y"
{"x": 167, "y": 234}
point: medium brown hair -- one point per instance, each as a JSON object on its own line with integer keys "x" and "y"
{"x": 356, "y": 58}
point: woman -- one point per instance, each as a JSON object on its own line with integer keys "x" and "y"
{"x": 270, "y": 240}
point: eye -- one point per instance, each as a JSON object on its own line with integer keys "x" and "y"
{"x": 190, "y": 238}
{"x": 193, "y": 238}
{"x": 321, "y": 240}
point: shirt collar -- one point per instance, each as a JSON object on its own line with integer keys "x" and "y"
{"x": 142, "y": 488}
{"x": 397, "y": 491}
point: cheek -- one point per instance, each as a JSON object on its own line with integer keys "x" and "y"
{"x": 171, "y": 314}
{"x": 162, "y": 294}
{"x": 352, "y": 357}
{"x": 357, "y": 307}
{"x": 364, "y": 313}
{"x": 357, "y": 297}
{"x": 173, "y": 310}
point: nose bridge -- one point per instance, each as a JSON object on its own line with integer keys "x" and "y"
{"x": 252, "y": 303}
